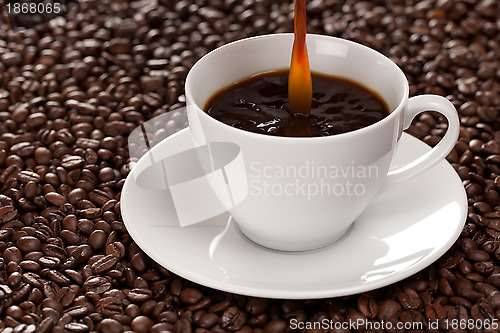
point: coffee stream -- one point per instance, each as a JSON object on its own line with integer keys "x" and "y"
{"x": 299, "y": 77}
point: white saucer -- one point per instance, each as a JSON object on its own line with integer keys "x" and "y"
{"x": 405, "y": 229}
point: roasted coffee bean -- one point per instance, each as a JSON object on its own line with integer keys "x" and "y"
{"x": 25, "y": 177}
{"x": 99, "y": 197}
{"x": 110, "y": 306}
{"x": 139, "y": 295}
{"x": 72, "y": 162}
{"x": 23, "y": 149}
{"x": 182, "y": 326}
{"x": 109, "y": 325}
{"x": 65, "y": 296}
{"x": 104, "y": 264}
{"x": 233, "y": 319}
{"x": 33, "y": 279}
{"x": 21, "y": 293}
{"x": 29, "y": 244}
{"x": 76, "y": 327}
{"x": 14, "y": 279}
{"x": 141, "y": 324}
{"x": 263, "y": 318}
{"x": 12, "y": 254}
{"x": 435, "y": 312}
{"x": 139, "y": 262}
{"x": 55, "y": 198}
{"x": 98, "y": 285}
{"x": 388, "y": 309}
{"x": 14, "y": 311}
{"x": 49, "y": 262}
{"x": 478, "y": 255}
{"x": 90, "y": 213}
{"x": 116, "y": 249}
{"x": 97, "y": 240}
{"x": 54, "y": 250}
{"x": 367, "y": 306}
{"x": 7, "y": 213}
{"x": 191, "y": 296}
{"x": 484, "y": 267}
{"x": 256, "y": 306}
{"x": 78, "y": 311}
{"x": 86, "y": 227}
{"x": 58, "y": 277}
{"x": 74, "y": 275}
{"x": 201, "y": 305}
{"x": 494, "y": 279}
{"x": 484, "y": 288}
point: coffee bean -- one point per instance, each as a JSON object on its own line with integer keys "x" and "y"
{"x": 78, "y": 311}
{"x": 388, "y": 309}
{"x": 14, "y": 279}
{"x": 110, "y": 306}
{"x": 33, "y": 279}
{"x": 55, "y": 198}
{"x": 90, "y": 213}
{"x": 74, "y": 275}
{"x": 82, "y": 254}
{"x": 54, "y": 250}
{"x": 367, "y": 306}
{"x": 233, "y": 319}
{"x": 42, "y": 155}
{"x": 12, "y": 254}
{"x": 201, "y": 305}
{"x": 161, "y": 327}
{"x": 478, "y": 255}
{"x": 85, "y": 226}
{"x": 72, "y": 162}
{"x": 23, "y": 149}
{"x": 139, "y": 295}
{"x": 191, "y": 296}
{"x": 21, "y": 293}
{"x": 208, "y": 320}
{"x": 109, "y": 326}
{"x": 28, "y": 176}
{"x": 104, "y": 264}
{"x": 29, "y": 244}
{"x": 86, "y": 142}
{"x": 76, "y": 327}
{"x": 256, "y": 306}
{"x": 97, "y": 240}
{"x": 7, "y": 213}
{"x": 65, "y": 296}
{"x": 98, "y": 285}
{"x": 58, "y": 278}
{"x": 494, "y": 299}
{"x": 116, "y": 249}
{"x": 99, "y": 197}
{"x": 182, "y": 326}
{"x": 139, "y": 263}
{"x": 49, "y": 262}
{"x": 141, "y": 324}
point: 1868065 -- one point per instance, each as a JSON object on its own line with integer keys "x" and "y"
{"x": 24, "y": 14}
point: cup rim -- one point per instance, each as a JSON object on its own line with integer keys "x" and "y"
{"x": 252, "y": 135}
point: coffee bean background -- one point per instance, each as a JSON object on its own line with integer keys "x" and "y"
{"x": 72, "y": 90}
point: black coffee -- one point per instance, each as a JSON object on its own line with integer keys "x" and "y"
{"x": 260, "y": 104}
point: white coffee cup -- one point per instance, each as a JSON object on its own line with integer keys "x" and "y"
{"x": 305, "y": 193}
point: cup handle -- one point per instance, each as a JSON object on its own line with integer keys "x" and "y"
{"x": 414, "y": 106}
